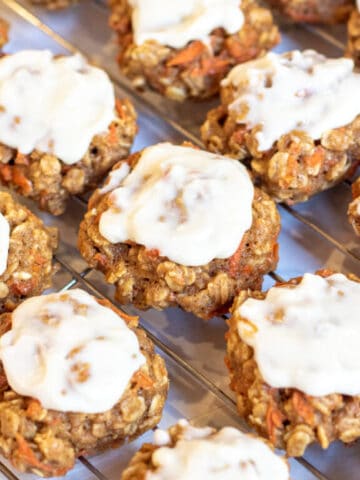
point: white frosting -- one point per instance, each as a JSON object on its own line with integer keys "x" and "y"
{"x": 175, "y": 23}
{"x": 4, "y": 243}
{"x": 190, "y": 205}
{"x": 307, "y": 336}
{"x": 115, "y": 177}
{"x": 55, "y": 105}
{"x": 224, "y": 455}
{"x": 70, "y": 352}
{"x": 294, "y": 91}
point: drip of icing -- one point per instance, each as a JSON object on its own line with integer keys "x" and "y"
{"x": 294, "y": 91}
{"x": 224, "y": 455}
{"x": 307, "y": 336}
{"x": 53, "y": 104}
{"x": 69, "y": 352}
{"x": 190, "y": 205}
{"x": 175, "y": 23}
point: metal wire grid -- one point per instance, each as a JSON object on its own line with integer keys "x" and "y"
{"x": 83, "y": 276}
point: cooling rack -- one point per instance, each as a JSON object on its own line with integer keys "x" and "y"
{"x": 314, "y": 235}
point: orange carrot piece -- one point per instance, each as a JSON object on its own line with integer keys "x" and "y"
{"x": 303, "y": 407}
{"x": 187, "y": 54}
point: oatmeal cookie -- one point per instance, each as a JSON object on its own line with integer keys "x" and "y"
{"x": 312, "y": 399}
{"x": 293, "y": 148}
{"x": 194, "y": 69}
{"x": 186, "y": 452}
{"x": 46, "y": 441}
{"x": 26, "y": 251}
{"x": 315, "y": 11}
{"x": 45, "y": 154}
{"x": 191, "y": 274}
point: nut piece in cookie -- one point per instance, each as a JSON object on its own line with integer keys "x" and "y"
{"x": 184, "y": 49}
{"x": 187, "y": 453}
{"x": 354, "y": 207}
{"x": 178, "y": 226}
{"x": 64, "y": 144}
{"x": 294, "y": 360}
{"x": 315, "y": 11}
{"x": 294, "y": 118}
{"x": 92, "y": 381}
{"x": 26, "y": 252}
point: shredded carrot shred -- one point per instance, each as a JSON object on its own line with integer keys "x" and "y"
{"x": 234, "y": 260}
{"x": 27, "y": 454}
{"x": 187, "y": 54}
{"x": 119, "y": 108}
{"x": 112, "y": 135}
{"x": 143, "y": 380}
{"x": 21, "y": 181}
{"x": 303, "y": 407}
{"x": 274, "y": 419}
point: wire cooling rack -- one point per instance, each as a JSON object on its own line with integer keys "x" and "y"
{"x": 314, "y": 235}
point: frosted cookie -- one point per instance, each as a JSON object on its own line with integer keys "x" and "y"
{"x": 26, "y": 252}
{"x": 293, "y": 118}
{"x": 315, "y": 11}
{"x": 61, "y": 129}
{"x": 184, "y": 452}
{"x": 183, "y": 49}
{"x": 92, "y": 381}
{"x": 294, "y": 360}
{"x": 178, "y": 226}
{"x": 354, "y": 207}
{"x": 353, "y": 45}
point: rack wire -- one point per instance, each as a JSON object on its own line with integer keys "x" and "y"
{"x": 314, "y": 235}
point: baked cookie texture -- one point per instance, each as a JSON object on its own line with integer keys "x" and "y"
{"x": 50, "y": 182}
{"x": 47, "y": 442}
{"x": 315, "y": 11}
{"x": 29, "y": 264}
{"x": 193, "y": 71}
{"x": 354, "y": 207}
{"x": 353, "y": 45}
{"x": 287, "y": 417}
{"x": 148, "y": 280}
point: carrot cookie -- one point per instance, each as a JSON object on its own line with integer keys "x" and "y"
{"x": 92, "y": 381}
{"x": 354, "y": 207}
{"x": 178, "y": 226}
{"x": 315, "y": 11}
{"x": 294, "y": 360}
{"x": 293, "y": 118}
{"x": 26, "y": 252}
{"x": 61, "y": 130}
{"x": 187, "y": 453}
{"x": 183, "y": 49}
